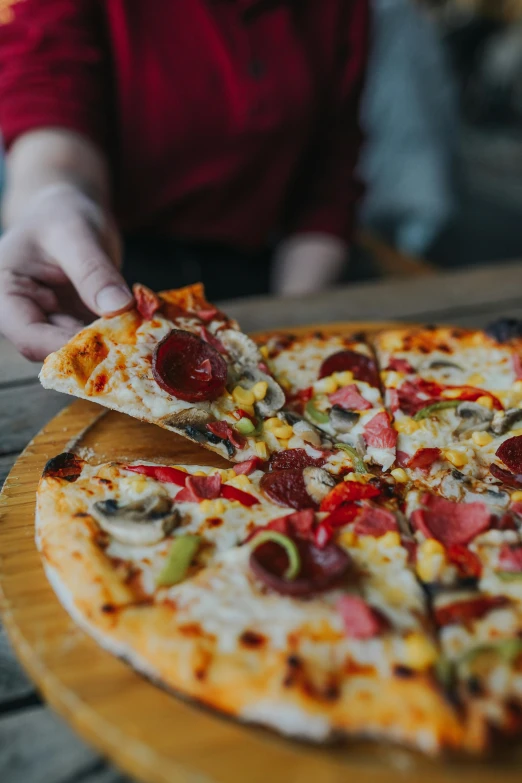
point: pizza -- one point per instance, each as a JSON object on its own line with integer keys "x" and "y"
{"x": 357, "y": 575}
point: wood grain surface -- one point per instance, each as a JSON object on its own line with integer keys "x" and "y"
{"x": 149, "y": 733}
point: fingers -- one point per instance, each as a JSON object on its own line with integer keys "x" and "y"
{"x": 75, "y": 246}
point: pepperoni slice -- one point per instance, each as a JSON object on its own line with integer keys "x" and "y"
{"x": 198, "y": 488}
{"x": 374, "y": 521}
{"x": 287, "y": 488}
{"x": 510, "y": 559}
{"x": 320, "y": 570}
{"x": 467, "y": 562}
{"x": 187, "y": 367}
{"x": 294, "y": 458}
{"x": 451, "y": 523}
{"x": 509, "y": 479}
{"x": 360, "y": 620}
{"x": 66, "y": 466}
{"x": 510, "y": 453}
{"x": 465, "y": 611}
{"x": 349, "y": 398}
{"x": 379, "y": 433}
{"x": 147, "y": 302}
{"x": 347, "y": 492}
{"x": 362, "y": 367}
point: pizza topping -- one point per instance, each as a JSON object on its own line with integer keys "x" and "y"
{"x": 434, "y": 408}
{"x": 510, "y": 559}
{"x": 273, "y": 398}
{"x": 357, "y": 462}
{"x": 379, "y": 433}
{"x": 287, "y": 488}
{"x": 516, "y": 360}
{"x": 208, "y": 314}
{"x": 187, "y": 367}
{"x": 198, "y": 488}
{"x": 248, "y": 466}
{"x": 467, "y": 562}
{"x": 510, "y": 453}
{"x": 208, "y": 337}
{"x": 468, "y": 610}
{"x": 374, "y": 521}
{"x": 241, "y": 348}
{"x": 180, "y": 556}
{"x": 342, "y": 515}
{"x": 229, "y": 492}
{"x": 147, "y": 302}
{"x": 245, "y": 426}
{"x": 505, "y": 421}
{"x": 289, "y": 546}
{"x": 509, "y": 479}
{"x": 223, "y": 431}
{"x": 318, "y": 483}
{"x": 319, "y": 569}
{"x": 161, "y": 473}
{"x": 142, "y": 523}
{"x": 504, "y": 329}
{"x": 475, "y": 417}
{"x": 362, "y": 367}
{"x": 294, "y": 458}
{"x": 66, "y": 466}
{"x": 360, "y": 620}
{"x": 400, "y": 365}
{"x": 348, "y": 492}
{"x": 349, "y": 398}
{"x": 451, "y": 523}
{"x": 423, "y": 459}
{"x": 417, "y": 394}
{"x": 342, "y": 420}
{"x": 311, "y": 410}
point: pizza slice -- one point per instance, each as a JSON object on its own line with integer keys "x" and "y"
{"x": 332, "y": 382}
{"x": 456, "y": 396}
{"x": 177, "y": 361}
{"x": 470, "y": 562}
{"x": 308, "y": 620}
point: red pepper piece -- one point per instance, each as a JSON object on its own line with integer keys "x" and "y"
{"x": 323, "y": 534}
{"x": 342, "y": 515}
{"x": 161, "y": 473}
{"x": 362, "y": 367}
{"x": 187, "y": 367}
{"x": 233, "y": 493}
{"x": 467, "y": 562}
{"x": 223, "y": 430}
{"x": 422, "y": 459}
{"x": 248, "y": 466}
{"x": 346, "y": 492}
{"x": 147, "y": 302}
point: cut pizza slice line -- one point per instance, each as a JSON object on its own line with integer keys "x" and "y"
{"x": 456, "y": 397}
{"x": 332, "y": 382}
{"x": 177, "y": 361}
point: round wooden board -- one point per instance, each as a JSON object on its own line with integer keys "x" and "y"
{"x": 149, "y": 733}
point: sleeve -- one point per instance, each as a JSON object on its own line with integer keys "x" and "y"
{"x": 326, "y": 190}
{"x": 52, "y": 68}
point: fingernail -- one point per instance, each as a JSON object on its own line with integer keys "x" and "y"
{"x": 113, "y": 298}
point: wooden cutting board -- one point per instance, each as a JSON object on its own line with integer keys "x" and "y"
{"x": 150, "y": 733}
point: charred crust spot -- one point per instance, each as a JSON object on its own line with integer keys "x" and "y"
{"x": 332, "y": 692}
{"x": 443, "y": 348}
{"x": 200, "y": 673}
{"x": 109, "y": 608}
{"x": 66, "y": 466}
{"x": 105, "y": 481}
{"x": 80, "y": 515}
{"x": 430, "y": 327}
{"x": 294, "y": 662}
{"x": 190, "y": 629}
{"x": 359, "y": 337}
{"x": 100, "y": 383}
{"x": 251, "y": 639}
{"x": 102, "y": 539}
{"x": 214, "y": 521}
{"x": 403, "y": 672}
{"x": 474, "y": 686}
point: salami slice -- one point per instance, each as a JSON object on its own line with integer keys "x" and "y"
{"x": 510, "y": 453}
{"x": 400, "y": 365}
{"x": 510, "y": 559}
{"x": 147, "y": 302}
{"x": 362, "y": 367}
{"x": 223, "y": 430}
{"x": 287, "y": 488}
{"x": 293, "y": 459}
{"x": 349, "y": 398}
{"x": 509, "y": 479}
{"x": 198, "y": 488}
{"x": 466, "y": 611}
{"x": 187, "y": 367}
{"x": 360, "y": 620}
{"x": 423, "y": 459}
{"x": 379, "y": 433}
{"x": 374, "y": 521}
{"x": 451, "y": 523}
{"x": 248, "y": 466}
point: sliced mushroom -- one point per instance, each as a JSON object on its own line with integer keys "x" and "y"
{"x": 318, "y": 483}
{"x": 505, "y": 421}
{"x": 343, "y": 420}
{"x": 188, "y": 417}
{"x": 304, "y": 425}
{"x": 275, "y": 396}
{"x": 142, "y": 523}
{"x": 474, "y": 417}
{"x": 456, "y": 486}
{"x": 442, "y": 364}
{"x": 241, "y": 349}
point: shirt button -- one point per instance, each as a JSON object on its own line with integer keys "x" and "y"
{"x": 256, "y": 69}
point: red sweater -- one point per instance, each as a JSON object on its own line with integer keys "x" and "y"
{"x": 223, "y": 120}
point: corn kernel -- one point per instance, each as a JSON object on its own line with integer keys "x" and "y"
{"x": 264, "y": 351}
{"x": 259, "y": 390}
{"x": 359, "y": 478}
{"x": 517, "y": 386}
{"x": 348, "y": 538}
{"x": 481, "y": 438}
{"x": 284, "y": 432}
{"x": 261, "y": 450}
{"x": 327, "y": 385}
{"x": 271, "y": 424}
{"x": 243, "y": 396}
{"x": 228, "y": 475}
{"x": 486, "y": 401}
{"x": 516, "y": 432}
{"x": 284, "y": 444}
{"x": 242, "y": 482}
{"x": 390, "y": 539}
{"x": 138, "y": 484}
{"x": 406, "y": 425}
{"x": 343, "y": 378}
{"x": 476, "y": 379}
{"x": 430, "y": 558}
{"x": 431, "y": 547}
{"x": 457, "y": 458}
{"x": 420, "y": 651}
{"x": 212, "y": 507}
{"x": 392, "y": 379}
{"x": 400, "y": 475}
{"x": 516, "y": 497}
{"x": 199, "y": 473}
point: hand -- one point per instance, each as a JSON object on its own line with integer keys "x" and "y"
{"x": 58, "y": 265}
{"x": 307, "y": 263}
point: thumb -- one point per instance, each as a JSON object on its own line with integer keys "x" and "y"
{"x": 75, "y": 246}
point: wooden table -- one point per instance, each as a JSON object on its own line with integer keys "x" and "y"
{"x": 35, "y": 746}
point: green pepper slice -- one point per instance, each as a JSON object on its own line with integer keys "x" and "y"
{"x": 245, "y": 426}
{"x": 292, "y": 552}
{"x": 357, "y": 462}
{"x": 509, "y": 576}
{"x": 429, "y": 410}
{"x": 316, "y": 415}
{"x": 180, "y": 556}
{"x": 508, "y": 649}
